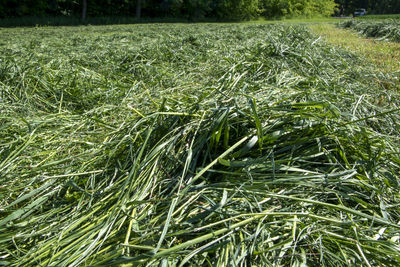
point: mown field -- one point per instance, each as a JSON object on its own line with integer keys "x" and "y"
{"x": 388, "y": 30}
{"x": 197, "y": 144}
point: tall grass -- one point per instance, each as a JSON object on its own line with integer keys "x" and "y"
{"x": 381, "y": 29}
{"x": 201, "y": 144}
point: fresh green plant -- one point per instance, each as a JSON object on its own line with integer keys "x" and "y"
{"x": 215, "y": 145}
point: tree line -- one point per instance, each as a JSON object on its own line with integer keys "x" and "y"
{"x": 193, "y": 9}
{"x": 347, "y": 7}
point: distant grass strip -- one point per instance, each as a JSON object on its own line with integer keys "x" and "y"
{"x": 385, "y": 55}
{"x": 40, "y": 21}
{"x": 31, "y": 21}
{"x": 379, "y": 17}
{"x": 296, "y": 20}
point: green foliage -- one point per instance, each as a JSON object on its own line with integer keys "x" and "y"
{"x": 385, "y": 6}
{"x": 298, "y": 8}
{"x": 195, "y": 9}
{"x": 189, "y": 9}
{"x": 347, "y": 7}
{"x": 22, "y": 7}
{"x": 204, "y": 144}
{"x": 238, "y": 9}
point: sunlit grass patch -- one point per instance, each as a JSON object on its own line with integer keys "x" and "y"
{"x": 382, "y": 30}
{"x": 385, "y": 55}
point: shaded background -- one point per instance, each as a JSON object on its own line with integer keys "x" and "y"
{"x": 69, "y": 12}
{"x": 220, "y": 9}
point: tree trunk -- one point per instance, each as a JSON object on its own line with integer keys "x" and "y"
{"x": 138, "y": 8}
{"x": 84, "y": 9}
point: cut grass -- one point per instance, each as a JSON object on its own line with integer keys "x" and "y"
{"x": 382, "y": 30}
{"x": 385, "y": 55}
{"x": 215, "y": 145}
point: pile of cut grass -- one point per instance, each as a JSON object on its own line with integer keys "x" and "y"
{"x": 200, "y": 144}
{"x": 384, "y": 55}
{"x": 381, "y": 29}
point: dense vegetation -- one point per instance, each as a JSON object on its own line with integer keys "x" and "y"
{"x": 372, "y": 6}
{"x": 187, "y": 9}
{"x": 296, "y": 8}
{"x": 383, "y": 30}
{"x": 193, "y": 9}
{"x": 215, "y": 145}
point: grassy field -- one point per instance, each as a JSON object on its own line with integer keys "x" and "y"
{"x": 76, "y": 21}
{"x": 379, "y": 17}
{"x": 199, "y": 144}
{"x": 384, "y": 55}
{"x": 388, "y": 30}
